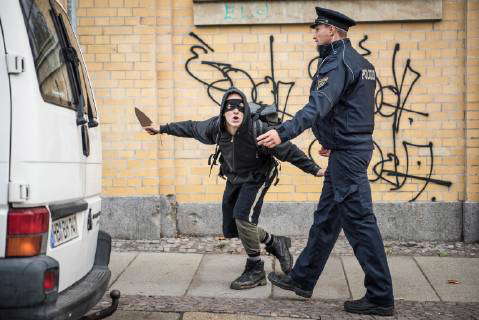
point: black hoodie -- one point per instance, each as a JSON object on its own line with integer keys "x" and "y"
{"x": 242, "y": 160}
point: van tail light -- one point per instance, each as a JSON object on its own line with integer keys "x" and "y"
{"x": 27, "y": 232}
{"x": 50, "y": 280}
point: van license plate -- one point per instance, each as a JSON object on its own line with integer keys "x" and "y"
{"x": 64, "y": 230}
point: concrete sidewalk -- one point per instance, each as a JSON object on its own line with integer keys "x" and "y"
{"x": 209, "y": 275}
{"x": 183, "y": 285}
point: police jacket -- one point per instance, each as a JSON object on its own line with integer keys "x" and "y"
{"x": 242, "y": 160}
{"x": 340, "y": 110}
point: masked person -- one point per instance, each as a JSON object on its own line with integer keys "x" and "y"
{"x": 249, "y": 171}
{"x": 340, "y": 112}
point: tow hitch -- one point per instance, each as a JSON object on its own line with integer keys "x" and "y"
{"x": 102, "y": 314}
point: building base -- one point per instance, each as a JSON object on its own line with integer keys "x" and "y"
{"x": 160, "y": 216}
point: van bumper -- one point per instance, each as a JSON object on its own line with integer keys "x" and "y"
{"x": 70, "y": 304}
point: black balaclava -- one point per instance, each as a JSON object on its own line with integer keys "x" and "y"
{"x": 246, "y": 113}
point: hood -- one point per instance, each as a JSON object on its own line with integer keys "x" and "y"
{"x": 247, "y": 111}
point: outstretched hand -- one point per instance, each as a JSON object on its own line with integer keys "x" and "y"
{"x": 269, "y": 139}
{"x": 151, "y": 130}
{"x": 324, "y": 152}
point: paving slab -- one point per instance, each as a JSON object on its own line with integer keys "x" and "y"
{"x": 408, "y": 281}
{"x": 222, "y": 316}
{"x": 137, "y": 315}
{"x": 162, "y": 274}
{"x": 331, "y": 284}
{"x": 118, "y": 263}
{"x": 216, "y": 273}
{"x": 439, "y": 270}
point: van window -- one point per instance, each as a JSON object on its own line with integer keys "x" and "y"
{"x": 51, "y": 68}
{"x": 85, "y": 85}
{"x": 86, "y": 82}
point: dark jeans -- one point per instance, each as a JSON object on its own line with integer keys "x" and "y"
{"x": 346, "y": 203}
{"x": 241, "y": 209}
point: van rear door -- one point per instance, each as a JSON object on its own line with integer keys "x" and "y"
{"x": 93, "y": 162}
{"x": 91, "y": 136}
{"x": 4, "y": 141}
{"x": 49, "y": 153}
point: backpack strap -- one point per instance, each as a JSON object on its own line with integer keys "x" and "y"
{"x": 276, "y": 170}
{"x": 256, "y": 127}
{"x": 259, "y": 128}
{"x": 213, "y": 158}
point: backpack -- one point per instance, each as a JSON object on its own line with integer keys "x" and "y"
{"x": 263, "y": 116}
{"x": 265, "y": 113}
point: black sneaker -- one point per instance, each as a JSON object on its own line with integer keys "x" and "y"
{"x": 253, "y": 276}
{"x": 280, "y": 249}
{"x": 364, "y": 306}
{"x": 287, "y": 283}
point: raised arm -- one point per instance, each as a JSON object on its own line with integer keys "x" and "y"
{"x": 323, "y": 96}
{"x": 328, "y": 89}
{"x": 203, "y": 131}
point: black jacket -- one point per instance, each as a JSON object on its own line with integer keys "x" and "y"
{"x": 340, "y": 110}
{"x": 242, "y": 160}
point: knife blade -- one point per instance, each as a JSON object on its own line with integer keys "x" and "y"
{"x": 144, "y": 120}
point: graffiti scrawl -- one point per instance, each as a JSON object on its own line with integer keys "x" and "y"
{"x": 390, "y": 104}
{"x": 392, "y": 109}
{"x": 228, "y": 74}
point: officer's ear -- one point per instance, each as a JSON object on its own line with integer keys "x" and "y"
{"x": 331, "y": 30}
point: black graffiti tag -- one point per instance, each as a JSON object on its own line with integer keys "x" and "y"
{"x": 392, "y": 109}
{"x": 227, "y": 74}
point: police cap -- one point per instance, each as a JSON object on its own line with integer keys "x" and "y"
{"x": 334, "y": 18}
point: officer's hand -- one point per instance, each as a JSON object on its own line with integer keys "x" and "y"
{"x": 324, "y": 152}
{"x": 152, "y": 131}
{"x": 320, "y": 173}
{"x": 269, "y": 139}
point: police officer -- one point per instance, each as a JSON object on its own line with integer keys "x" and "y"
{"x": 340, "y": 112}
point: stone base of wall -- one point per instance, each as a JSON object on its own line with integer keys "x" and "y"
{"x": 138, "y": 218}
{"x": 161, "y": 216}
{"x": 471, "y": 221}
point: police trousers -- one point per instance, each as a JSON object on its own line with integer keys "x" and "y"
{"x": 346, "y": 203}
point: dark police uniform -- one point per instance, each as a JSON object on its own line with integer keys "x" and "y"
{"x": 340, "y": 112}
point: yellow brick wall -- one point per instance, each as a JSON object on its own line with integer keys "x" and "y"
{"x": 472, "y": 101}
{"x": 119, "y": 43}
{"x": 136, "y": 52}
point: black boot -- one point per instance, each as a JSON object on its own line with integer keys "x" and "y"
{"x": 253, "y": 276}
{"x": 280, "y": 249}
{"x": 364, "y": 306}
{"x": 287, "y": 283}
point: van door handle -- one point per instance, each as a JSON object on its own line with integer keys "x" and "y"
{"x": 85, "y": 140}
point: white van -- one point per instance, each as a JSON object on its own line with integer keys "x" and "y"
{"x": 53, "y": 258}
